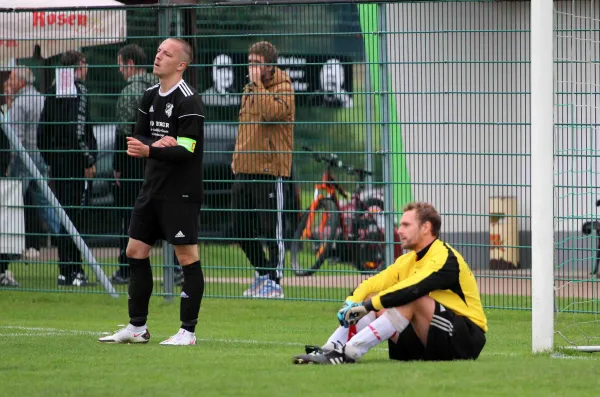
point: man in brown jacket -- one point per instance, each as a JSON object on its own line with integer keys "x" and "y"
{"x": 262, "y": 160}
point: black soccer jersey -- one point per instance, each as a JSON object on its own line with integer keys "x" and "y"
{"x": 172, "y": 173}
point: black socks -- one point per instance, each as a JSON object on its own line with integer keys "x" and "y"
{"x": 191, "y": 296}
{"x": 140, "y": 290}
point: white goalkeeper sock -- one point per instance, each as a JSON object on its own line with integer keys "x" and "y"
{"x": 378, "y": 331}
{"x": 341, "y": 335}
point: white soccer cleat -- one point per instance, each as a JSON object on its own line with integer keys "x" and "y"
{"x": 182, "y": 338}
{"x": 126, "y": 335}
{"x": 256, "y": 285}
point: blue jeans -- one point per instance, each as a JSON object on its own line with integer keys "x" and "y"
{"x": 45, "y": 209}
{"x": 39, "y": 200}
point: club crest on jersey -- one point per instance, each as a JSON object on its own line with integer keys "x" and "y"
{"x": 169, "y": 109}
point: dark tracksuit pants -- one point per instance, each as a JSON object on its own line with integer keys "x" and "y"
{"x": 125, "y": 196}
{"x": 257, "y": 204}
{"x": 70, "y": 194}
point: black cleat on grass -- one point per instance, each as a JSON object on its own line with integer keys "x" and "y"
{"x": 316, "y": 356}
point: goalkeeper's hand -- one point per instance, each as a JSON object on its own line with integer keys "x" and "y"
{"x": 354, "y": 313}
{"x": 342, "y": 312}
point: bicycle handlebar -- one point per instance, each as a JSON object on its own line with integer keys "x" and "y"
{"x": 333, "y": 161}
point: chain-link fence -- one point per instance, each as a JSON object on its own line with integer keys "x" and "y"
{"x": 394, "y": 102}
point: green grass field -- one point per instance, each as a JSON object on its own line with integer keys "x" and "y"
{"x": 48, "y": 348}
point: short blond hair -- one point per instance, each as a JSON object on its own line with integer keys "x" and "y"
{"x": 186, "y": 49}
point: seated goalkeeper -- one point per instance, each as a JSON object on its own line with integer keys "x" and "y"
{"x": 426, "y": 305}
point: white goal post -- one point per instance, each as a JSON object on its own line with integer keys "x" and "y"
{"x": 565, "y": 43}
{"x": 542, "y": 177}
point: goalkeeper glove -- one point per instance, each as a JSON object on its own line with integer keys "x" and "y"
{"x": 342, "y": 311}
{"x": 353, "y": 313}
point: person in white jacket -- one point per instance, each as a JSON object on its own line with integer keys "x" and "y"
{"x": 23, "y": 117}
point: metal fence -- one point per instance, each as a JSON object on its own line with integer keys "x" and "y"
{"x": 430, "y": 99}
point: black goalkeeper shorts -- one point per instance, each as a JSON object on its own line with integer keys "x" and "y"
{"x": 175, "y": 222}
{"x": 451, "y": 337}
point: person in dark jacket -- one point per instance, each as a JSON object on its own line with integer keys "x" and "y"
{"x": 6, "y": 277}
{"x": 5, "y": 156}
{"x": 69, "y": 147}
{"x": 128, "y": 171}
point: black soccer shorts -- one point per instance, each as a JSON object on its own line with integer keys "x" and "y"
{"x": 451, "y": 337}
{"x": 175, "y": 222}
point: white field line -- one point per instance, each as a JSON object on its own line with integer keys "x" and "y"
{"x": 44, "y": 331}
{"x": 37, "y": 331}
{"x": 568, "y": 357}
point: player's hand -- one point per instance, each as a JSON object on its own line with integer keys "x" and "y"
{"x": 341, "y": 313}
{"x": 89, "y": 173}
{"x": 255, "y": 75}
{"x": 135, "y": 148}
{"x": 354, "y": 313}
{"x": 165, "y": 141}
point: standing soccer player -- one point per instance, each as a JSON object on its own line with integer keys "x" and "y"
{"x": 169, "y": 132}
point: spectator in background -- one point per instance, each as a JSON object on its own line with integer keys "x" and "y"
{"x": 69, "y": 148}
{"x": 262, "y": 158}
{"x": 131, "y": 60}
{"x": 23, "y": 117}
{"x": 6, "y": 277}
{"x": 7, "y": 98}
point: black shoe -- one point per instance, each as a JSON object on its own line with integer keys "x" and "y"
{"x": 333, "y": 357}
{"x": 75, "y": 279}
{"x": 310, "y": 349}
{"x": 80, "y": 280}
{"x": 117, "y": 279}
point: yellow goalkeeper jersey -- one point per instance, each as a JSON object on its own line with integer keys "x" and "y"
{"x": 438, "y": 271}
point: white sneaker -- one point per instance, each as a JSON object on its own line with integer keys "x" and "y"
{"x": 127, "y": 335}
{"x": 31, "y": 254}
{"x": 256, "y": 285}
{"x": 270, "y": 289}
{"x": 7, "y": 279}
{"x": 182, "y": 338}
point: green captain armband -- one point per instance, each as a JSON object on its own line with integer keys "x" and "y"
{"x": 188, "y": 143}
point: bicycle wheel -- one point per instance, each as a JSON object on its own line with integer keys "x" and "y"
{"x": 370, "y": 255}
{"x": 311, "y": 247}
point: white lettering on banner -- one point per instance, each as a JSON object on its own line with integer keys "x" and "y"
{"x": 298, "y": 86}
{"x": 291, "y": 61}
{"x": 295, "y": 74}
{"x": 42, "y": 18}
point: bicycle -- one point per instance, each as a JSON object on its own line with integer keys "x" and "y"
{"x": 351, "y": 232}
